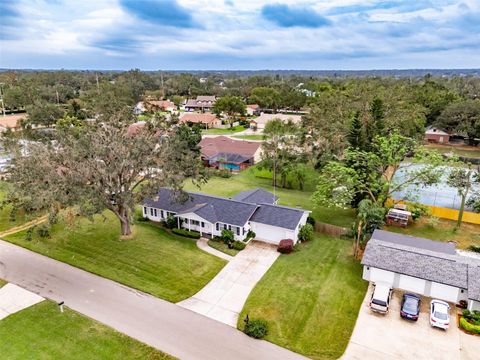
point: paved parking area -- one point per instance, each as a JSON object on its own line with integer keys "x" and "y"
{"x": 13, "y": 298}
{"x": 223, "y": 297}
{"x": 390, "y": 337}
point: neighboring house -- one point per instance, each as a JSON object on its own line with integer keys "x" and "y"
{"x": 11, "y": 122}
{"x": 201, "y": 103}
{"x": 422, "y": 266}
{"x": 225, "y": 153}
{"x": 207, "y": 120}
{"x": 260, "y": 122}
{"x": 209, "y": 215}
{"x": 253, "y": 109}
{"x": 436, "y": 135}
{"x": 153, "y": 106}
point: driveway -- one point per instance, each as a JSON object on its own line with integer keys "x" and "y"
{"x": 391, "y": 337}
{"x": 222, "y": 299}
{"x": 13, "y": 299}
{"x": 158, "y": 323}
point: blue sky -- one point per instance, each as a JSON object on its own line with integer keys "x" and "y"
{"x": 239, "y": 34}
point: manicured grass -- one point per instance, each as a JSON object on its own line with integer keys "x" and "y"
{"x": 253, "y": 178}
{"x": 468, "y": 234}
{"x": 220, "y": 246}
{"x": 227, "y": 131}
{"x": 310, "y": 298}
{"x": 153, "y": 260}
{"x": 20, "y": 216}
{"x": 43, "y": 332}
{"x": 467, "y": 151}
{"x": 249, "y": 137}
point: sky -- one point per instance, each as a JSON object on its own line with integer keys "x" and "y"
{"x": 239, "y": 34}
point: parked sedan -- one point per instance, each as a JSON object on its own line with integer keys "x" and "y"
{"x": 439, "y": 314}
{"x": 410, "y": 307}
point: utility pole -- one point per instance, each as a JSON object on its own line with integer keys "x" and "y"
{"x": 98, "y": 86}
{"x": 1, "y": 99}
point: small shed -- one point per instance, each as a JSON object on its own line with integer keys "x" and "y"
{"x": 436, "y": 135}
{"x": 398, "y": 217}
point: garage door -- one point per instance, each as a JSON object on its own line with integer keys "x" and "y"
{"x": 444, "y": 292}
{"x": 377, "y": 275}
{"x": 409, "y": 283}
{"x": 271, "y": 234}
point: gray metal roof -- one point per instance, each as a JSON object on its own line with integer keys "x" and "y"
{"x": 417, "y": 262}
{"x": 211, "y": 208}
{"x": 276, "y": 215}
{"x": 256, "y": 196}
{"x": 417, "y": 242}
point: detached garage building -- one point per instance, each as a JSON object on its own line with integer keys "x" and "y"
{"x": 422, "y": 266}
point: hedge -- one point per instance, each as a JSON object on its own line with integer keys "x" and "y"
{"x": 475, "y": 329}
{"x": 239, "y": 245}
{"x": 186, "y": 233}
{"x": 285, "y": 246}
{"x": 256, "y": 329}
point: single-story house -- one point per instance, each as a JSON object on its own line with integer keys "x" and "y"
{"x": 253, "y": 109}
{"x": 206, "y": 119}
{"x": 11, "y": 122}
{"x": 260, "y": 122}
{"x": 436, "y": 135}
{"x": 425, "y": 267}
{"x": 201, "y": 103}
{"x": 209, "y": 214}
{"x": 154, "y": 105}
{"x": 225, "y": 153}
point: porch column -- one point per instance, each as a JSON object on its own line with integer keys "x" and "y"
{"x": 189, "y": 227}
{"x": 178, "y": 222}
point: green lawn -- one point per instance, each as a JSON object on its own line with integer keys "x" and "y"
{"x": 467, "y": 151}
{"x": 43, "y": 332}
{"x": 226, "y": 131}
{"x": 153, "y": 260}
{"x": 2, "y": 282}
{"x": 220, "y": 246}
{"x": 310, "y": 298}
{"x": 20, "y": 217}
{"x": 253, "y": 178}
{"x": 249, "y": 137}
{"x": 468, "y": 234}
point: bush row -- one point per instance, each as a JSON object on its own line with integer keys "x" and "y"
{"x": 475, "y": 329}
{"x": 186, "y": 233}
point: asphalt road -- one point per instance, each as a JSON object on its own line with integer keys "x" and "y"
{"x": 163, "y": 325}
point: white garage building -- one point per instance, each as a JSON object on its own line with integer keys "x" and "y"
{"x": 254, "y": 210}
{"x": 422, "y": 266}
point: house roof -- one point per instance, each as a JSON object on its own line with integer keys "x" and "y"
{"x": 275, "y": 215}
{"x": 162, "y": 103}
{"x": 198, "y": 118}
{"x": 253, "y": 106}
{"x": 211, "y": 208}
{"x": 265, "y": 118}
{"x": 424, "y": 259}
{"x": 210, "y": 98}
{"x": 11, "y": 121}
{"x": 435, "y": 131}
{"x": 256, "y": 196}
{"x": 214, "y": 148}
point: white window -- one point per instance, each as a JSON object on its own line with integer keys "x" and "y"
{"x": 155, "y": 211}
{"x": 151, "y": 211}
{"x": 145, "y": 210}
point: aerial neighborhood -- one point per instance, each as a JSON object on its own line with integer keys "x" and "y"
{"x": 207, "y": 204}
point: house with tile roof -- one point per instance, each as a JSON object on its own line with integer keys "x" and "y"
{"x": 209, "y": 214}
{"x": 207, "y": 120}
{"x": 202, "y": 103}
{"x": 223, "y": 152}
{"x": 425, "y": 267}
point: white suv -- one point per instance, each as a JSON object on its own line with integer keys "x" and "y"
{"x": 439, "y": 314}
{"x": 380, "y": 301}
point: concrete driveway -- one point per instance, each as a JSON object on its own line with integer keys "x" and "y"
{"x": 223, "y": 297}
{"x": 391, "y": 337}
{"x": 13, "y": 299}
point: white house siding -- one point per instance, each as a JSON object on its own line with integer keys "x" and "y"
{"x": 445, "y": 292}
{"x": 272, "y": 234}
{"x": 155, "y": 214}
{"x": 240, "y": 235}
{"x": 194, "y": 222}
{"x": 473, "y": 305}
{"x": 379, "y": 275}
{"x": 412, "y": 284}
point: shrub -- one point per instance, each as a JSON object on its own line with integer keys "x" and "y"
{"x": 306, "y": 232}
{"x": 472, "y": 328}
{"x": 239, "y": 245}
{"x": 311, "y": 221}
{"x": 227, "y": 237}
{"x": 186, "y": 233}
{"x": 256, "y": 329}
{"x": 171, "y": 222}
{"x": 29, "y": 233}
{"x": 417, "y": 210}
{"x": 472, "y": 316}
{"x": 474, "y": 248}
{"x": 285, "y": 246}
{"x": 250, "y": 235}
{"x": 433, "y": 221}
{"x": 223, "y": 174}
{"x": 43, "y": 231}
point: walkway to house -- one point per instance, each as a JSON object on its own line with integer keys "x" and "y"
{"x": 13, "y": 299}
{"x": 223, "y": 297}
{"x": 202, "y": 244}
{"x": 158, "y": 323}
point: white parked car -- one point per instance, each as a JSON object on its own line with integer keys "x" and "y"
{"x": 380, "y": 301}
{"x": 439, "y": 314}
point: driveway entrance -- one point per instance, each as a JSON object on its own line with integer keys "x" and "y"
{"x": 223, "y": 297}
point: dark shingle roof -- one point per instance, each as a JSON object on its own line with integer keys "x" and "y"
{"x": 474, "y": 282}
{"x": 256, "y": 196}
{"x": 211, "y": 208}
{"x": 276, "y": 215}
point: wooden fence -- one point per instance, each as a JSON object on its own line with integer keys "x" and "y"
{"x": 330, "y": 229}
